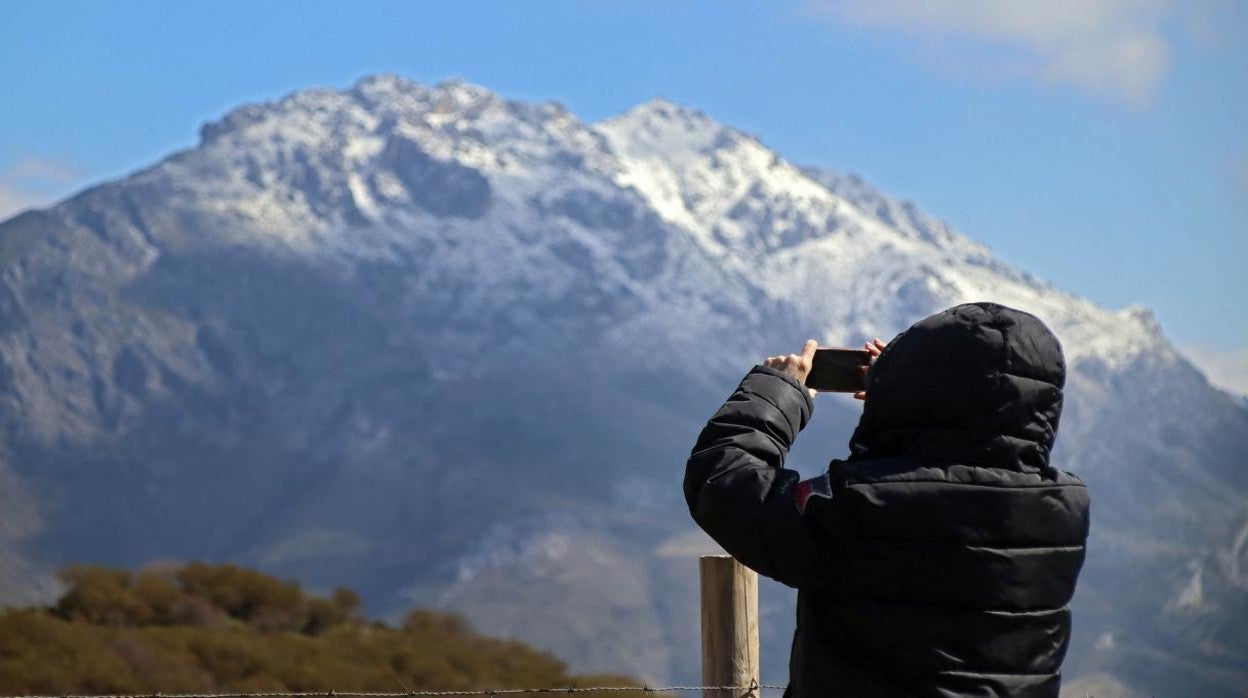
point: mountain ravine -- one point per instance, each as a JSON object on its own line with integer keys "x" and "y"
{"x": 452, "y": 350}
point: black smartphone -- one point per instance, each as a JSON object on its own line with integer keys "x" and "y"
{"x": 839, "y": 370}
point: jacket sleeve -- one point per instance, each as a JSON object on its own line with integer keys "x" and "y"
{"x": 739, "y": 492}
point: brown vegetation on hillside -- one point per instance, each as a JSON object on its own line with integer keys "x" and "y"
{"x": 225, "y": 628}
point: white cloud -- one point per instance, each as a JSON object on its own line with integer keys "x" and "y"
{"x": 41, "y": 169}
{"x": 14, "y": 201}
{"x": 1226, "y": 368}
{"x": 34, "y": 181}
{"x": 1106, "y": 47}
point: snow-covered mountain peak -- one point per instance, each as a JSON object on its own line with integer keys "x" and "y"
{"x": 395, "y": 93}
{"x": 375, "y": 104}
{"x": 320, "y": 164}
{"x": 451, "y": 103}
{"x": 308, "y": 116}
{"x": 1144, "y": 316}
{"x": 713, "y": 180}
{"x": 324, "y": 165}
{"x": 390, "y": 92}
{"x": 668, "y": 131}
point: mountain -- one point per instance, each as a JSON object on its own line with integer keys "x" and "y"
{"x": 452, "y": 350}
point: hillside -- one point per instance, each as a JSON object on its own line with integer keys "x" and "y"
{"x": 201, "y": 628}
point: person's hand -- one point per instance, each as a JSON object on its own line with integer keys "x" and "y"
{"x": 874, "y": 348}
{"x": 796, "y": 365}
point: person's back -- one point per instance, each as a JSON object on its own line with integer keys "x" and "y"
{"x": 939, "y": 559}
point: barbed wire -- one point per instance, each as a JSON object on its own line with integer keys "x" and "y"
{"x": 407, "y": 694}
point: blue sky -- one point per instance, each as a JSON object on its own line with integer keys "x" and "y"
{"x": 1100, "y": 144}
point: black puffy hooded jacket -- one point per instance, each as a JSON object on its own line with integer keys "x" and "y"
{"x": 940, "y": 557}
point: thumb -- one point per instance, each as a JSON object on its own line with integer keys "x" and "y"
{"x": 808, "y": 351}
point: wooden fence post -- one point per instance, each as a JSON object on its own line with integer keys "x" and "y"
{"x": 729, "y": 626}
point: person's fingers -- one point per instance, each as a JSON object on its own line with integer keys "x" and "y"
{"x": 880, "y": 343}
{"x": 813, "y": 393}
{"x": 808, "y": 349}
{"x": 860, "y": 395}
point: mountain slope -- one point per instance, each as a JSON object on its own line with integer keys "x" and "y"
{"x": 448, "y": 348}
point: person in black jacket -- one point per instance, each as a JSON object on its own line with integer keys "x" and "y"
{"x": 939, "y": 558}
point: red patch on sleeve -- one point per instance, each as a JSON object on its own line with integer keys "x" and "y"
{"x": 815, "y": 487}
{"x": 801, "y": 494}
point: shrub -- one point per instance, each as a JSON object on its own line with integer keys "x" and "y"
{"x": 212, "y": 628}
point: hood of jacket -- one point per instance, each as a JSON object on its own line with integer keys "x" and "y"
{"x": 977, "y": 384}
